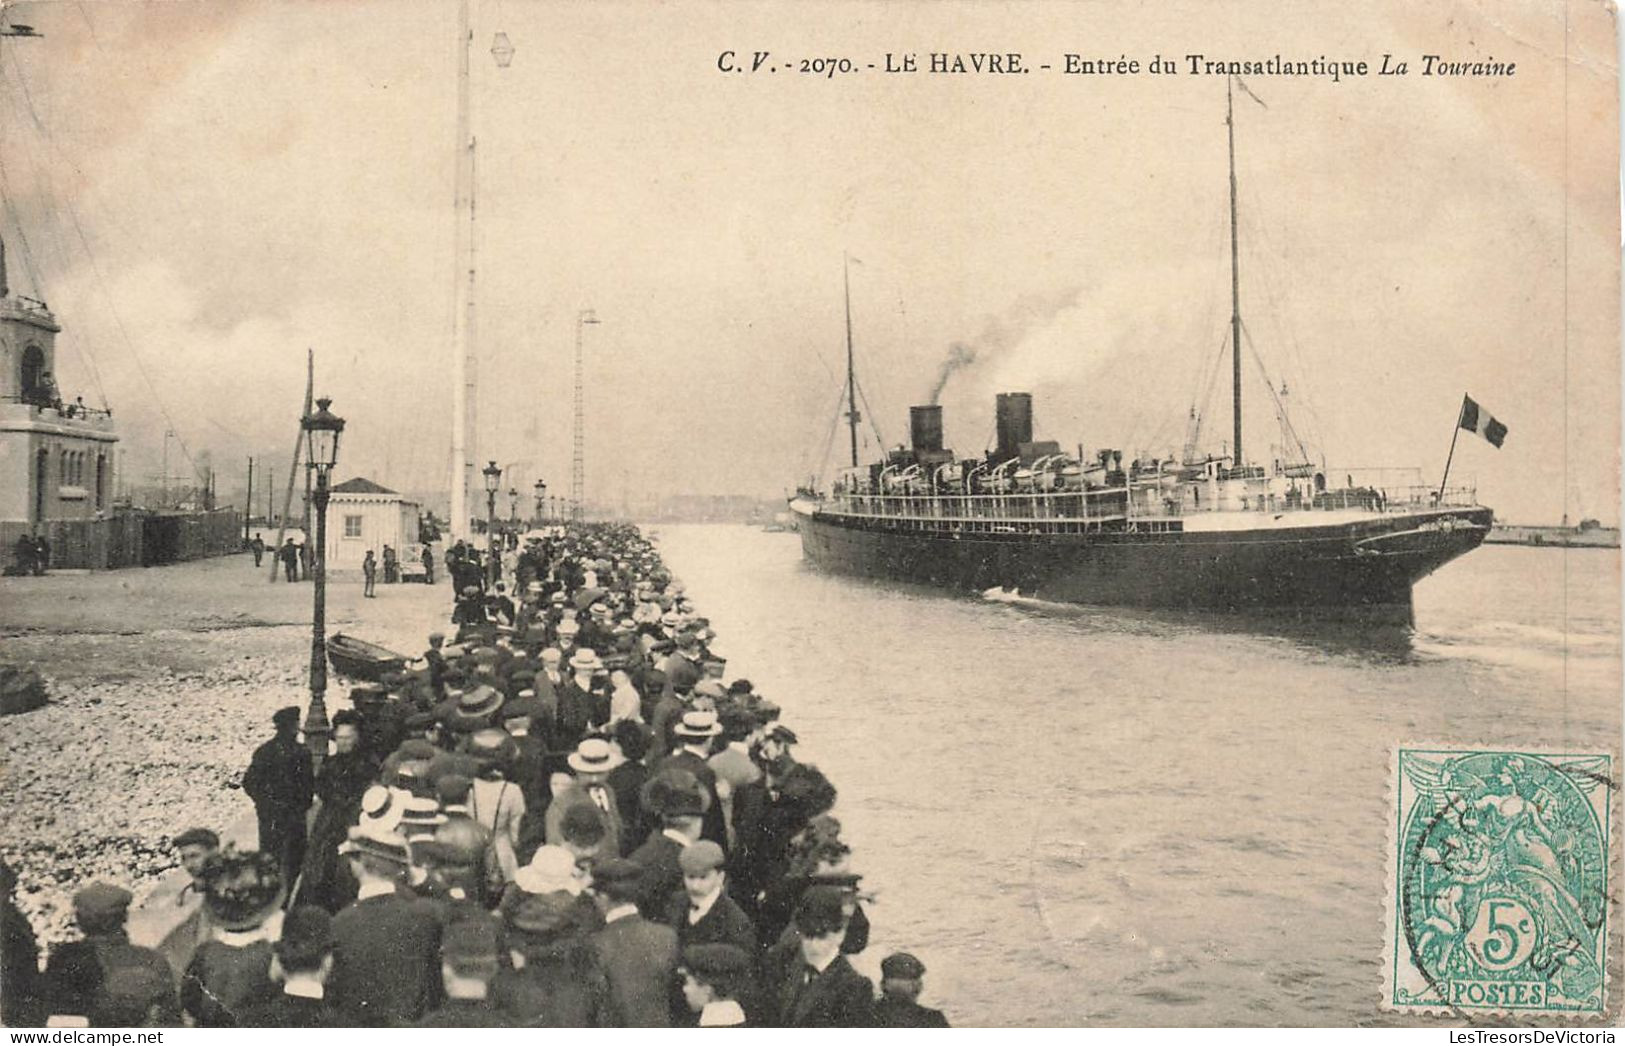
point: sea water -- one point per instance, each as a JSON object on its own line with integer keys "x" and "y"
{"x": 1080, "y": 815}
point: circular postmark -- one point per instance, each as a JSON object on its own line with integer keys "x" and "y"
{"x": 1502, "y": 878}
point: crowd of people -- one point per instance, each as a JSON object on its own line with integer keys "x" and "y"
{"x": 568, "y": 815}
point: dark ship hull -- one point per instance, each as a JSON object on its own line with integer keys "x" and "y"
{"x": 1359, "y": 569}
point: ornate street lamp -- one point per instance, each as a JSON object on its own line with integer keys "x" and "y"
{"x": 322, "y": 430}
{"x": 513, "y": 504}
{"x": 541, "y": 497}
{"x": 493, "y": 483}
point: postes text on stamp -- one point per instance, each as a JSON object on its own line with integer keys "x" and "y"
{"x": 1498, "y": 891}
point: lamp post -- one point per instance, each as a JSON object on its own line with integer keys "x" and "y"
{"x": 541, "y": 497}
{"x": 493, "y": 482}
{"x": 322, "y": 430}
{"x": 513, "y": 504}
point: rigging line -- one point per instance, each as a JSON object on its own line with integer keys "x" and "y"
{"x": 81, "y": 352}
{"x": 1281, "y": 318}
{"x": 869, "y": 412}
{"x": 829, "y": 437}
{"x": 80, "y": 348}
{"x": 1280, "y": 408}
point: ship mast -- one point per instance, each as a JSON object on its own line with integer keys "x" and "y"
{"x": 851, "y": 378}
{"x": 1235, "y": 281}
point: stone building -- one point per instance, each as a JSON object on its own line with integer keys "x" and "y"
{"x": 56, "y": 455}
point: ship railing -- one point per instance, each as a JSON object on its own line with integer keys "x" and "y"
{"x": 1158, "y": 501}
{"x": 1072, "y": 505}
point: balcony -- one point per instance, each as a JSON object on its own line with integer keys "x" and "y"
{"x": 69, "y": 418}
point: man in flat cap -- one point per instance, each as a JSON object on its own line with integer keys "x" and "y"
{"x": 901, "y": 978}
{"x": 819, "y": 988}
{"x": 704, "y": 913}
{"x": 282, "y": 781}
{"x": 105, "y": 978}
{"x": 638, "y": 956}
{"x": 386, "y": 955}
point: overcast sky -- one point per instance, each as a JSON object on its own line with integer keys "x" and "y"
{"x": 207, "y": 189}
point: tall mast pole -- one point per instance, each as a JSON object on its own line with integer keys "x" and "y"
{"x": 1235, "y": 282}
{"x": 462, "y": 461}
{"x": 851, "y": 378}
{"x": 578, "y": 459}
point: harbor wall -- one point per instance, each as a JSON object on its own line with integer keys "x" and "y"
{"x": 1561, "y": 537}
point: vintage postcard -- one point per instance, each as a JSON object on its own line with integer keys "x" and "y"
{"x": 862, "y": 513}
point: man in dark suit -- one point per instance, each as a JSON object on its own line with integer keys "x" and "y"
{"x": 694, "y": 733}
{"x": 638, "y": 957}
{"x": 105, "y": 978}
{"x": 678, "y": 800}
{"x": 901, "y": 977}
{"x": 386, "y": 955}
{"x": 281, "y": 782}
{"x": 820, "y": 989}
{"x": 305, "y": 953}
{"x": 704, "y": 913}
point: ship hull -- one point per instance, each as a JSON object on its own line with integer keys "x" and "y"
{"x": 1363, "y": 569}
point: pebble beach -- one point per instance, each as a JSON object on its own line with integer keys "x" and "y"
{"x": 162, "y": 681}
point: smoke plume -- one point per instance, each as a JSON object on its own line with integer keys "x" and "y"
{"x": 1000, "y": 334}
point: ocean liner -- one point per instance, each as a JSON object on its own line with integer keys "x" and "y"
{"x": 1210, "y": 533}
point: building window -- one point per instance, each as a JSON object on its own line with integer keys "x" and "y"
{"x": 33, "y": 370}
{"x": 101, "y": 481}
{"x": 352, "y": 526}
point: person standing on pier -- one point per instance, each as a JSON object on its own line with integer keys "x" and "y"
{"x": 257, "y": 546}
{"x": 369, "y": 571}
{"x": 818, "y": 988}
{"x": 289, "y": 554}
{"x": 901, "y": 978}
{"x": 281, "y": 782}
{"x": 428, "y": 565}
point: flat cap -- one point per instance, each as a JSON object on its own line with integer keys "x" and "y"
{"x": 101, "y": 899}
{"x": 288, "y": 716}
{"x": 703, "y": 856}
{"x": 902, "y": 966}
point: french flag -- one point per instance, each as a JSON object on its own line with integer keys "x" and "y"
{"x": 1476, "y": 419}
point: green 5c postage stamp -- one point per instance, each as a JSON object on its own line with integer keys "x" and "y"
{"x": 1498, "y": 882}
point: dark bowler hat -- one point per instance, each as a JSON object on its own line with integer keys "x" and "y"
{"x": 783, "y": 735}
{"x": 901, "y": 966}
{"x": 711, "y": 961}
{"x": 617, "y": 878}
{"x": 286, "y": 717}
{"x": 541, "y": 917}
{"x": 674, "y": 792}
{"x": 820, "y": 912}
{"x": 474, "y": 938}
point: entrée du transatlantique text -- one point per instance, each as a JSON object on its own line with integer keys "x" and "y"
{"x": 1006, "y": 63}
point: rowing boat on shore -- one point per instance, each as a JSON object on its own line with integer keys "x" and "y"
{"x": 358, "y": 659}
